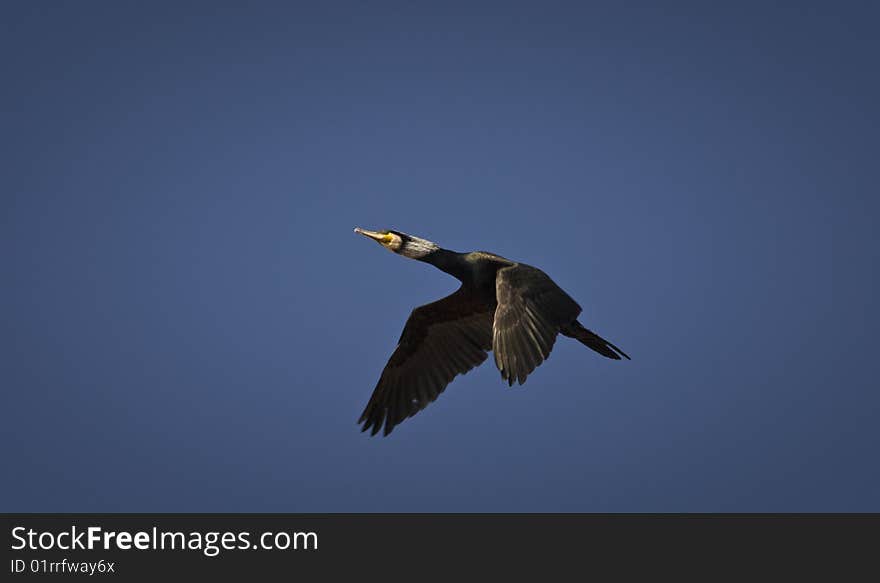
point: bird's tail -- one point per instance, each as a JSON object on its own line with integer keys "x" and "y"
{"x": 592, "y": 340}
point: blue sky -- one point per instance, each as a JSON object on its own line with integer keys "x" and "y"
{"x": 189, "y": 323}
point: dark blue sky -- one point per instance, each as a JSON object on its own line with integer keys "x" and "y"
{"x": 189, "y": 323}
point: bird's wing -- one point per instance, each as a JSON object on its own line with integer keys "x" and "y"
{"x": 439, "y": 341}
{"x": 531, "y": 310}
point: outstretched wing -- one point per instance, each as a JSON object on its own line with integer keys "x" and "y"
{"x": 531, "y": 310}
{"x": 439, "y": 341}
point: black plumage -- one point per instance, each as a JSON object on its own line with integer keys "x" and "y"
{"x": 510, "y": 308}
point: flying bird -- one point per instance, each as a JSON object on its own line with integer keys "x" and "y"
{"x": 513, "y": 309}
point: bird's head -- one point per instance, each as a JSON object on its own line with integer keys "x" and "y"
{"x": 401, "y": 243}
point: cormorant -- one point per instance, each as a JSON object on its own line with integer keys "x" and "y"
{"x": 510, "y": 308}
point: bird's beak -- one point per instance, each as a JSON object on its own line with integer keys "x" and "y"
{"x": 380, "y": 237}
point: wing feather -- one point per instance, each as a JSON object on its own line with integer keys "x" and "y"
{"x": 530, "y": 313}
{"x": 439, "y": 341}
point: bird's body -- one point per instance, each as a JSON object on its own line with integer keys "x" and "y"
{"x": 510, "y": 308}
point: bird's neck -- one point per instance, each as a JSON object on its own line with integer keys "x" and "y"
{"x": 451, "y": 262}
